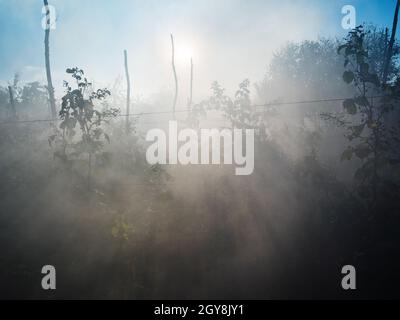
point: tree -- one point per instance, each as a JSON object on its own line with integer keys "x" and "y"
{"x": 302, "y": 70}
{"x": 238, "y": 111}
{"x": 78, "y": 110}
{"x": 33, "y": 93}
{"x": 312, "y": 69}
{"x": 372, "y": 139}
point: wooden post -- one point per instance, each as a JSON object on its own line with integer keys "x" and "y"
{"x": 175, "y": 76}
{"x": 128, "y": 91}
{"x": 391, "y": 44}
{"x": 12, "y": 103}
{"x": 50, "y": 87}
{"x": 191, "y": 83}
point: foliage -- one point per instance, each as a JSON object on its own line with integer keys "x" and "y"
{"x": 309, "y": 68}
{"x": 79, "y": 117}
{"x": 121, "y": 228}
{"x": 238, "y": 111}
{"x": 29, "y": 99}
{"x": 371, "y": 136}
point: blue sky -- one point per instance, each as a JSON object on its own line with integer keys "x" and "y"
{"x": 229, "y": 39}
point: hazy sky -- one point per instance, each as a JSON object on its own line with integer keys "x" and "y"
{"x": 230, "y": 40}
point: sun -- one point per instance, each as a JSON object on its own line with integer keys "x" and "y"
{"x": 183, "y": 53}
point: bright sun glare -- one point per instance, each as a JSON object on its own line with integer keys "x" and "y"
{"x": 184, "y": 53}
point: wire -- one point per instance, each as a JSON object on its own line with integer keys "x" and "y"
{"x": 271, "y": 104}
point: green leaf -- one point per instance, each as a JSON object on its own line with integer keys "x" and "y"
{"x": 347, "y": 154}
{"x": 350, "y": 106}
{"x": 348, "y": 76}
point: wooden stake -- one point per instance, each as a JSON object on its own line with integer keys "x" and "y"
{"x": 128, "y": 91}
{"x": 175, "y": 76}
{"x": 191, "y": 83}
{"x": 50, "y": 88}
{"x": 391, "y": 44}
